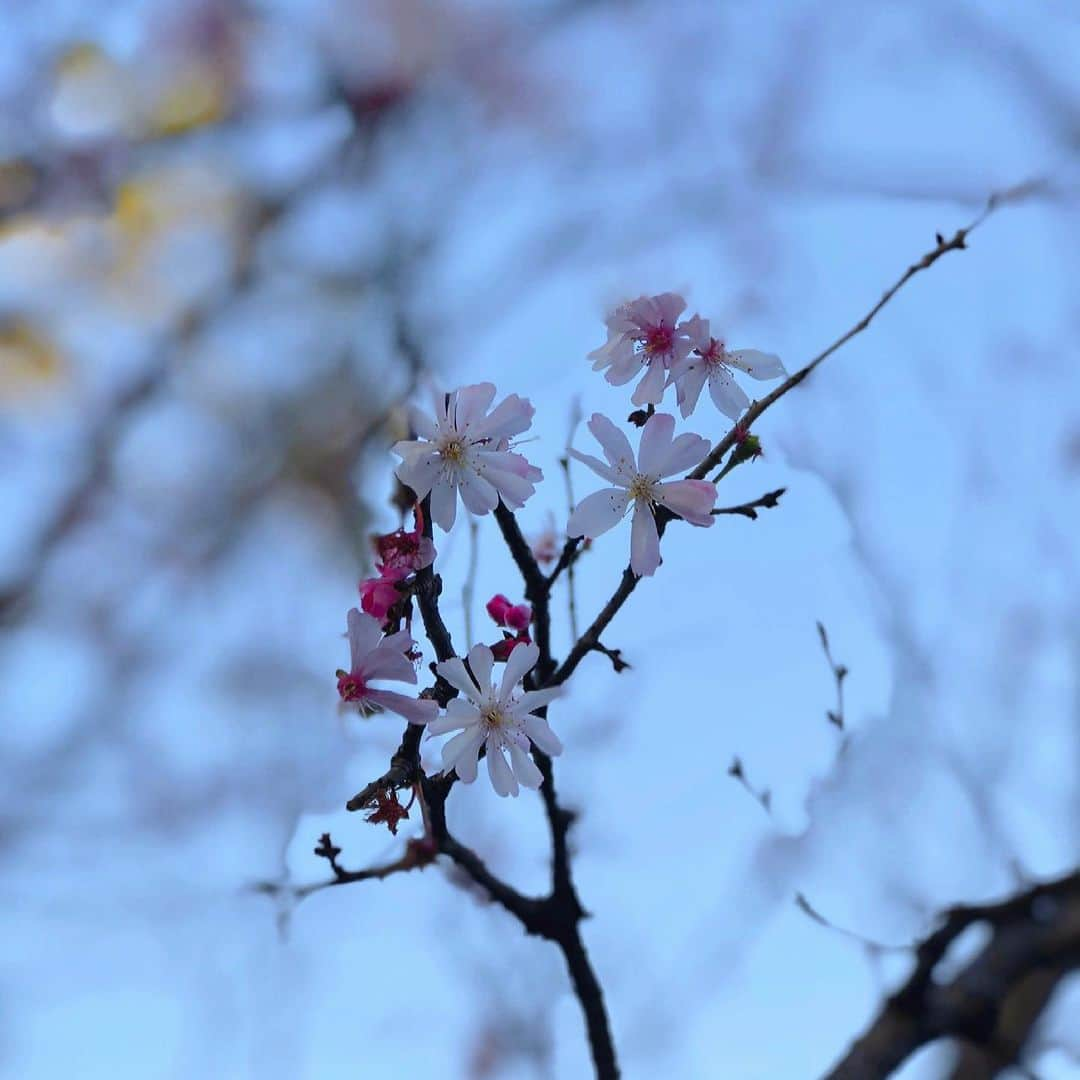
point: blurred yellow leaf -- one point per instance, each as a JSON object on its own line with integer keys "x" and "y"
{"x": 29, "y": 361}
{"x": 197, "y": 96}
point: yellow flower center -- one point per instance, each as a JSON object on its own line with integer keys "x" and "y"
{"x": 641, "y": 487}
{"x": 454, "y": 451}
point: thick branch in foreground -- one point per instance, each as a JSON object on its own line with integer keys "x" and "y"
{"x": 1035, "y": 936}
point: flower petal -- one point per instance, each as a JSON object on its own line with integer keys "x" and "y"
{"x": 415, "y": 710}
{"x": 669, "y": 306}
{"x": 525, "y": 768}
{"x": 522, "y": 659}
{"x": 697, "y": 330}
{"x": 502, "y": 779}
{"x": 453, "y": 671}
{"x": 508, "y": 475}
{"x": 692, "y": 500}
{"x": 689, "y": 384}
{"x": 464, "y": 716}
{"x": 598, "y": 512}
{"x": 686, "y": 452}
{"x": 444, "y": 503}
{"x": 758, "y": 365}
{"x": 655, "y": 443}
{"x": 460, "y": 754}
{"x": 364, "y": 633}
{"x": 420, "y": 468}
{"x": 727, "y": 395}
{"x": 598, "y": 467}
{"x": 532, "y": 700}
{"x": 511, "y": 417}
{"x": 388, "y": 663}
{"x": 644, "y": 541}
{"x": 536, "y": 727}
{"x": 613, "y": 442}
{"x": 477, "y": 493}
{"x": 481, "y": 661}
{"x": 650, "y": 391}
{"x": 471, "y": 405}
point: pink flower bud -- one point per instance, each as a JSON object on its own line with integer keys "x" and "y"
{"x": 379, "y": 595}
{"x": 497, "y": 607}
{"x": 518, "y": 617}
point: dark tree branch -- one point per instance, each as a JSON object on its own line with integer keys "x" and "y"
{"x": 537, "y": 587}
{"x": 571, "y": 551}
{"x": 1034, "y": 933}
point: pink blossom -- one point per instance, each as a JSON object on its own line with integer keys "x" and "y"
{"x": 405, "y": 550}
{"x": 711, "y": 361}
{"x": 643, "y": 334}
{"x": 379, "y": 594}
{"x": 466, "y": 450}
{"x": 377, "y": 658}
{"x": 640, "y": 484}
{"x": 546, "y": 544}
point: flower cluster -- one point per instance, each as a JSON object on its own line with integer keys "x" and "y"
{"x": 465, "y": 448}
{"x": 399, "y": 555}
{"x": 645, "y": 335}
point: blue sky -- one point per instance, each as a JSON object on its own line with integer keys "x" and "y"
{"x": 780, "y": 167}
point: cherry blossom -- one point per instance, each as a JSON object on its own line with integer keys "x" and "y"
{"x": 400, "y": 553}
{"x": 466, "y": 449}
{"x": 379, "y": 594}
{"x": 502, "y": 720}
{"x": 401, "y": 550}
{"x": 546, "y": 544}
{"x": 712, "y": 361}
{"x": 641, "y": 484}
{"x": 374, "y": 657}
{"x": 643, "y": 334}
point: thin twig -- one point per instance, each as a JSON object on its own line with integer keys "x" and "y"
{"x": 957, "y": 242}
{"x": 469, "y": 587}
{"x": 840, "y": 673}
{"x": 762, "y": 797}
{"x": 767, "y": 501}
{"x": 571, "y": 592}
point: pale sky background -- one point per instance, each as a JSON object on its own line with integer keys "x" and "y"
{"x": 170, "y": 729}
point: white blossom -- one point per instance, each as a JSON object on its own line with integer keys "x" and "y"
{"x": 712, "y": 361}
{"x": 641, "y": 484}
{"x": 502, "y": 720}
{"x": 466, "y": 450}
